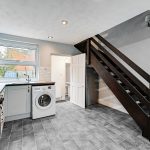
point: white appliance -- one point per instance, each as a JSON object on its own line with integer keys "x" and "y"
{"x": 43, "y": 101}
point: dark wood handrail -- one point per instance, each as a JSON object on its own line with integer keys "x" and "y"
{"x": 131, "y": 76}
{"x": 139, "y": 70}
{"x": 139, "y": 95}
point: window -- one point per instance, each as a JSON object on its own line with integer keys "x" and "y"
{"x": 18, "y": 59}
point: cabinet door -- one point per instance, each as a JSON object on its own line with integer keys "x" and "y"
{"x": 18, "y": 100}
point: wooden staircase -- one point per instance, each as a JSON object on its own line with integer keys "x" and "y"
{"x": 130, "y": 91}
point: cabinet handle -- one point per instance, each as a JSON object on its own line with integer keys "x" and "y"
{"x": 28, "y": 89}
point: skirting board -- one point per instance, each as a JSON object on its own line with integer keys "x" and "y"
{"x": 11, "y": 118}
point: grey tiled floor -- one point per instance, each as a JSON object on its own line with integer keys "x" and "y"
{"x": 73, "y": 128}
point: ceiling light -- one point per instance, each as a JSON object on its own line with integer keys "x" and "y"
{"x": 64, "y": 22}
{"x": 50, "y": 37}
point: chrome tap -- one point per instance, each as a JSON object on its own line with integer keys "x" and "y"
{"x": 28, "y": 77}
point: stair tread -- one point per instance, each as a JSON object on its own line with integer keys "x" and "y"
{"x": 112, "y": 73}
{"x": 128, "y": 91}
{"x": 138, "y": 102}
{"x": 119, "y": 81}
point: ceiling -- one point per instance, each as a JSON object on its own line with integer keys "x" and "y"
{"x": 42, "y": 18}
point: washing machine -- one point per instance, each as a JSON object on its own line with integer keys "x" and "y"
{"x": 43, "y": 101}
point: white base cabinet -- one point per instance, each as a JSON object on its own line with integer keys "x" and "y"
{"x": 17, "y": 102}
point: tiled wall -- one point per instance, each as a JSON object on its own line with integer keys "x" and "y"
{"x": 106, "y": 97}
{"x": 44, "y": 74}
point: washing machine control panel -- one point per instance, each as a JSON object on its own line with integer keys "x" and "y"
{"x": 44, "y": 88}
{"x": 52, "y": 87}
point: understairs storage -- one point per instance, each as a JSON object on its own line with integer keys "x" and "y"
{"x": 133, "y": 94}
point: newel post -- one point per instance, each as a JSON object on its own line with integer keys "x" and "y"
{"x": 149, "y": 98}
{"x": 88, "y": 58}
{"x": 149, "y": 115}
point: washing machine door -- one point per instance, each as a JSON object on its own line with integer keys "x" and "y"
{"x": 44, "y": 100}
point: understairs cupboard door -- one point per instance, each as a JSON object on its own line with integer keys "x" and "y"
{"x": 77, "y": 84}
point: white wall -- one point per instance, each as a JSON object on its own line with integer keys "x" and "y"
{"x": 140, "y": 54}
{"x": 106, "y": 97}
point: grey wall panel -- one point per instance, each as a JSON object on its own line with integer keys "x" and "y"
{"x": 92, "y": 86}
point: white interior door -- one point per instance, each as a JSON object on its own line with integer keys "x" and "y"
{"x": 77, "y": 83}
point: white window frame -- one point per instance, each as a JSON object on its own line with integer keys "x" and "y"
{"x": 18, "y": 62}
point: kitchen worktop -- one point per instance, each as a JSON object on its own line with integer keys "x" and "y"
{"x": 37, "y": 83}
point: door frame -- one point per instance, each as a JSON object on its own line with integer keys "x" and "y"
{"x": 56, "y": 54}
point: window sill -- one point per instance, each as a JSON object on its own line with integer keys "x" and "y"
{"x": 16, "y": 81}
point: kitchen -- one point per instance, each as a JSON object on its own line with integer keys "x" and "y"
{"x": 20, "y": 87}
{"x": 57, "y": 92}
{"x": 27, "y": 90}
